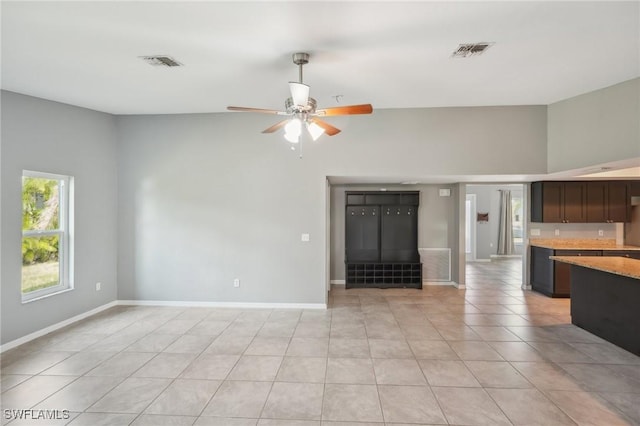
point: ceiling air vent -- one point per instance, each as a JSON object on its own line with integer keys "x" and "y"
{"x": 161, "y": 61}
{"x": 471, "y": 49}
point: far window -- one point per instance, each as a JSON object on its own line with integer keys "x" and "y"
{"x": 516, "y": 219}
{"x": 46, "y": 234}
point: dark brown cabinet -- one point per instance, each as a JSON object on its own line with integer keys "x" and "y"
{"x": 582, "y": 202}
{"x": 550, "y": 277}
{"x": 558, "y": 202}
{"x": 608, "y": 202}
{"x": 632, "y": 254}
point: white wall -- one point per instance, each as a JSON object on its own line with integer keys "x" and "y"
{"x": 204, "y": 199}
{"x": 57, "y": 138}
{"x": 437, "y": 223}
{"x": 595, "y": 128}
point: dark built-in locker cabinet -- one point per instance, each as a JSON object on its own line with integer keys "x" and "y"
{"x": 381, "y": 240}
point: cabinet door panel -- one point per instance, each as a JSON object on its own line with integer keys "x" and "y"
{"x": 542, "y": 270}
{"x": 362, "y": 234}
{"x": 399, "y": 234}
{"x": 618, "y": 201}
{"x": 596, "y": 202}
{"x": 552, "y": 202}
{"x": 574, "y": 202}
{"x": 562, "y": 272}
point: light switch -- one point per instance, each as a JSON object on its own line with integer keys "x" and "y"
{"x": 304, "y": 237}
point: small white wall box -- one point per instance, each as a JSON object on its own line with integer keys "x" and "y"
{"x": 445, "y": 192}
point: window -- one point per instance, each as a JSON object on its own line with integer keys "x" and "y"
{"x": 47, "y": 246}
{"x": 516, "y": 219}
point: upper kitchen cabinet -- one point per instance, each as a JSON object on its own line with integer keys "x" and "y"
{"x": 608, "y": 201}
{"x": 558, "y": 202}
{"x": 582, "y": 202}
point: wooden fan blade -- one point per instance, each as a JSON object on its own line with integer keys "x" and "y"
{"x": 346, "y": 110}
{"x": 328, "y": 128}
{"x": 276, "y": 126}
{"x": 261, "y": 110}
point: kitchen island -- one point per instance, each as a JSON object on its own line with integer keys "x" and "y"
{"x": 605, "y": 297}
{"x": 553, "y": 278}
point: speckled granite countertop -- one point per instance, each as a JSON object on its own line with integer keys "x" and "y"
{"x": 579, "y": 244}
{"x": 612, "y": 264}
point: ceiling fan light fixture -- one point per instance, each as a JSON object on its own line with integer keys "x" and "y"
{"x": 292, "y": 130}
{"x": 301, "y": 109}
{"x": 315, "y": 131}
{"x": 292, "y": 137}
{"x": 299, "y": 94}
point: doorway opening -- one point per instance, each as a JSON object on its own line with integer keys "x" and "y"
{"x": 470, "y": 227}
{"x": 495, "y": 231}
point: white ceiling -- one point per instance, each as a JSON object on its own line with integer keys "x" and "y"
{"x": 390, "y": 54}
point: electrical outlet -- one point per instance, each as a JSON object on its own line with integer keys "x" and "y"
{"x": 304, "y": 237}
{"x": 557, "y": 232}
{"x": 600, "y": 233}
{"x": 535, "y": 232}
{"x": 236, "y": 282}
{"x": 98, "y": 286}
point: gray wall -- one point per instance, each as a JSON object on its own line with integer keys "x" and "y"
{"x": 595, "y": 128}
{"x": 488, "y": 201}
{"x": 204, "y": 199}
{"x": 56, "y": 138}
{"x": 437, "y": 223}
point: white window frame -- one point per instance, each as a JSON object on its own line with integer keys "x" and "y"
{"x": 65, "y": 237}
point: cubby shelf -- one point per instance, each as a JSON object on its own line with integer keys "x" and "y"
{"x": 384, "y": 275}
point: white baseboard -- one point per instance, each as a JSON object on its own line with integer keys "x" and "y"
{"x": 437, "y": 283}
{"x": 32, "y": 336}
{"x": 223, "y": 304}
{"x": 338, "y": 282}
{"x": 459, "y": 286}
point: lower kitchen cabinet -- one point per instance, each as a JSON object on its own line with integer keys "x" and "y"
{"x": 553, "y": 278}
{"x": 632, "y": 254}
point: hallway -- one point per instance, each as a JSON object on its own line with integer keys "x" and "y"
{"x": 502, "y": 273}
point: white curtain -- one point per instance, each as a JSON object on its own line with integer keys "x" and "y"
{"x": 505, "y": 227}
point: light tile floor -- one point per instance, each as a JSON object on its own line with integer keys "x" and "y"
{"x": 489, "y": 355}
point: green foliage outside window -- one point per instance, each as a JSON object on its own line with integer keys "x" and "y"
{"x": 40, "y": 212}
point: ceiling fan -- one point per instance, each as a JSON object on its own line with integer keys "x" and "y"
{"x": 301, "y": 110}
